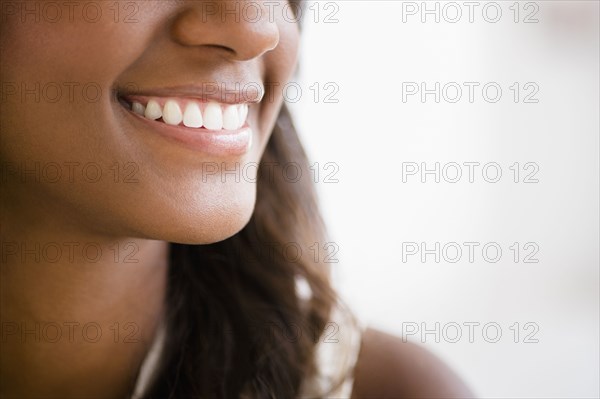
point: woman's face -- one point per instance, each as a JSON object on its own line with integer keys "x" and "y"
{"x": 83, "y": 84}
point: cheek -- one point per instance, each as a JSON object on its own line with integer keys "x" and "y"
{"x": 56, "y": 81}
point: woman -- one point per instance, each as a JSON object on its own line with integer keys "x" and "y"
{"x": 143, "y": 253}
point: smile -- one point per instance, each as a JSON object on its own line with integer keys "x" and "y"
{"x": 206, "y": 126}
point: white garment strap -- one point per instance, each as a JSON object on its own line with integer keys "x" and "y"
{"x": 150, "y": 363}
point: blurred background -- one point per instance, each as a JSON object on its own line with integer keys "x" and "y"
{"x": 398, "y": 94}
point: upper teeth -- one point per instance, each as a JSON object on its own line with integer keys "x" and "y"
{"x": 212, "y": 115}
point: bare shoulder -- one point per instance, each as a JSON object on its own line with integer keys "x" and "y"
{"x": 387, "y": 367}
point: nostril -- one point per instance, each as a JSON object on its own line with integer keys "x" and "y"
{"x": 221, "y": 47}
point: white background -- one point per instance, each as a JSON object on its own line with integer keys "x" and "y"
{"x": 370, "y": 132}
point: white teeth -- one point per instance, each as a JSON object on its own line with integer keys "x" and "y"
{"x": 172, "y": 113}
{"x": 192, "y": 117}
{"x": 243, "y": 114}
{"x": 231, "y": 118}
{"x": 138, "y": 108}
{"x": 153, "y": 110}
{"x": 213, "y": 116}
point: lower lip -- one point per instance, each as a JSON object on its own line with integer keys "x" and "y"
{"x": 213, "y": 142}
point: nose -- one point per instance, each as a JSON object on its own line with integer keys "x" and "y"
{"x": 241, "y": 29}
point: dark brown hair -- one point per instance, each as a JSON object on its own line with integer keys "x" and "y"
{"x": 231, "y": 306}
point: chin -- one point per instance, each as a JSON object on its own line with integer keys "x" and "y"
{"x": 205, "y": 223}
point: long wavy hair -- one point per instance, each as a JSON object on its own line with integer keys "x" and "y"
{"x": 237, "y": 326}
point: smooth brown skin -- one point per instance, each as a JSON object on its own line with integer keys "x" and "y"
{"x": 173, "y": 44}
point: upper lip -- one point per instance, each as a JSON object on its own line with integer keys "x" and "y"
{"x": 224, "y": 93}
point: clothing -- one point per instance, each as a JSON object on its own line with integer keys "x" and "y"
{"x": 336, "y": 355}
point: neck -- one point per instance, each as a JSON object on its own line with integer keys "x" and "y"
{"x": 78, "y": 309}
